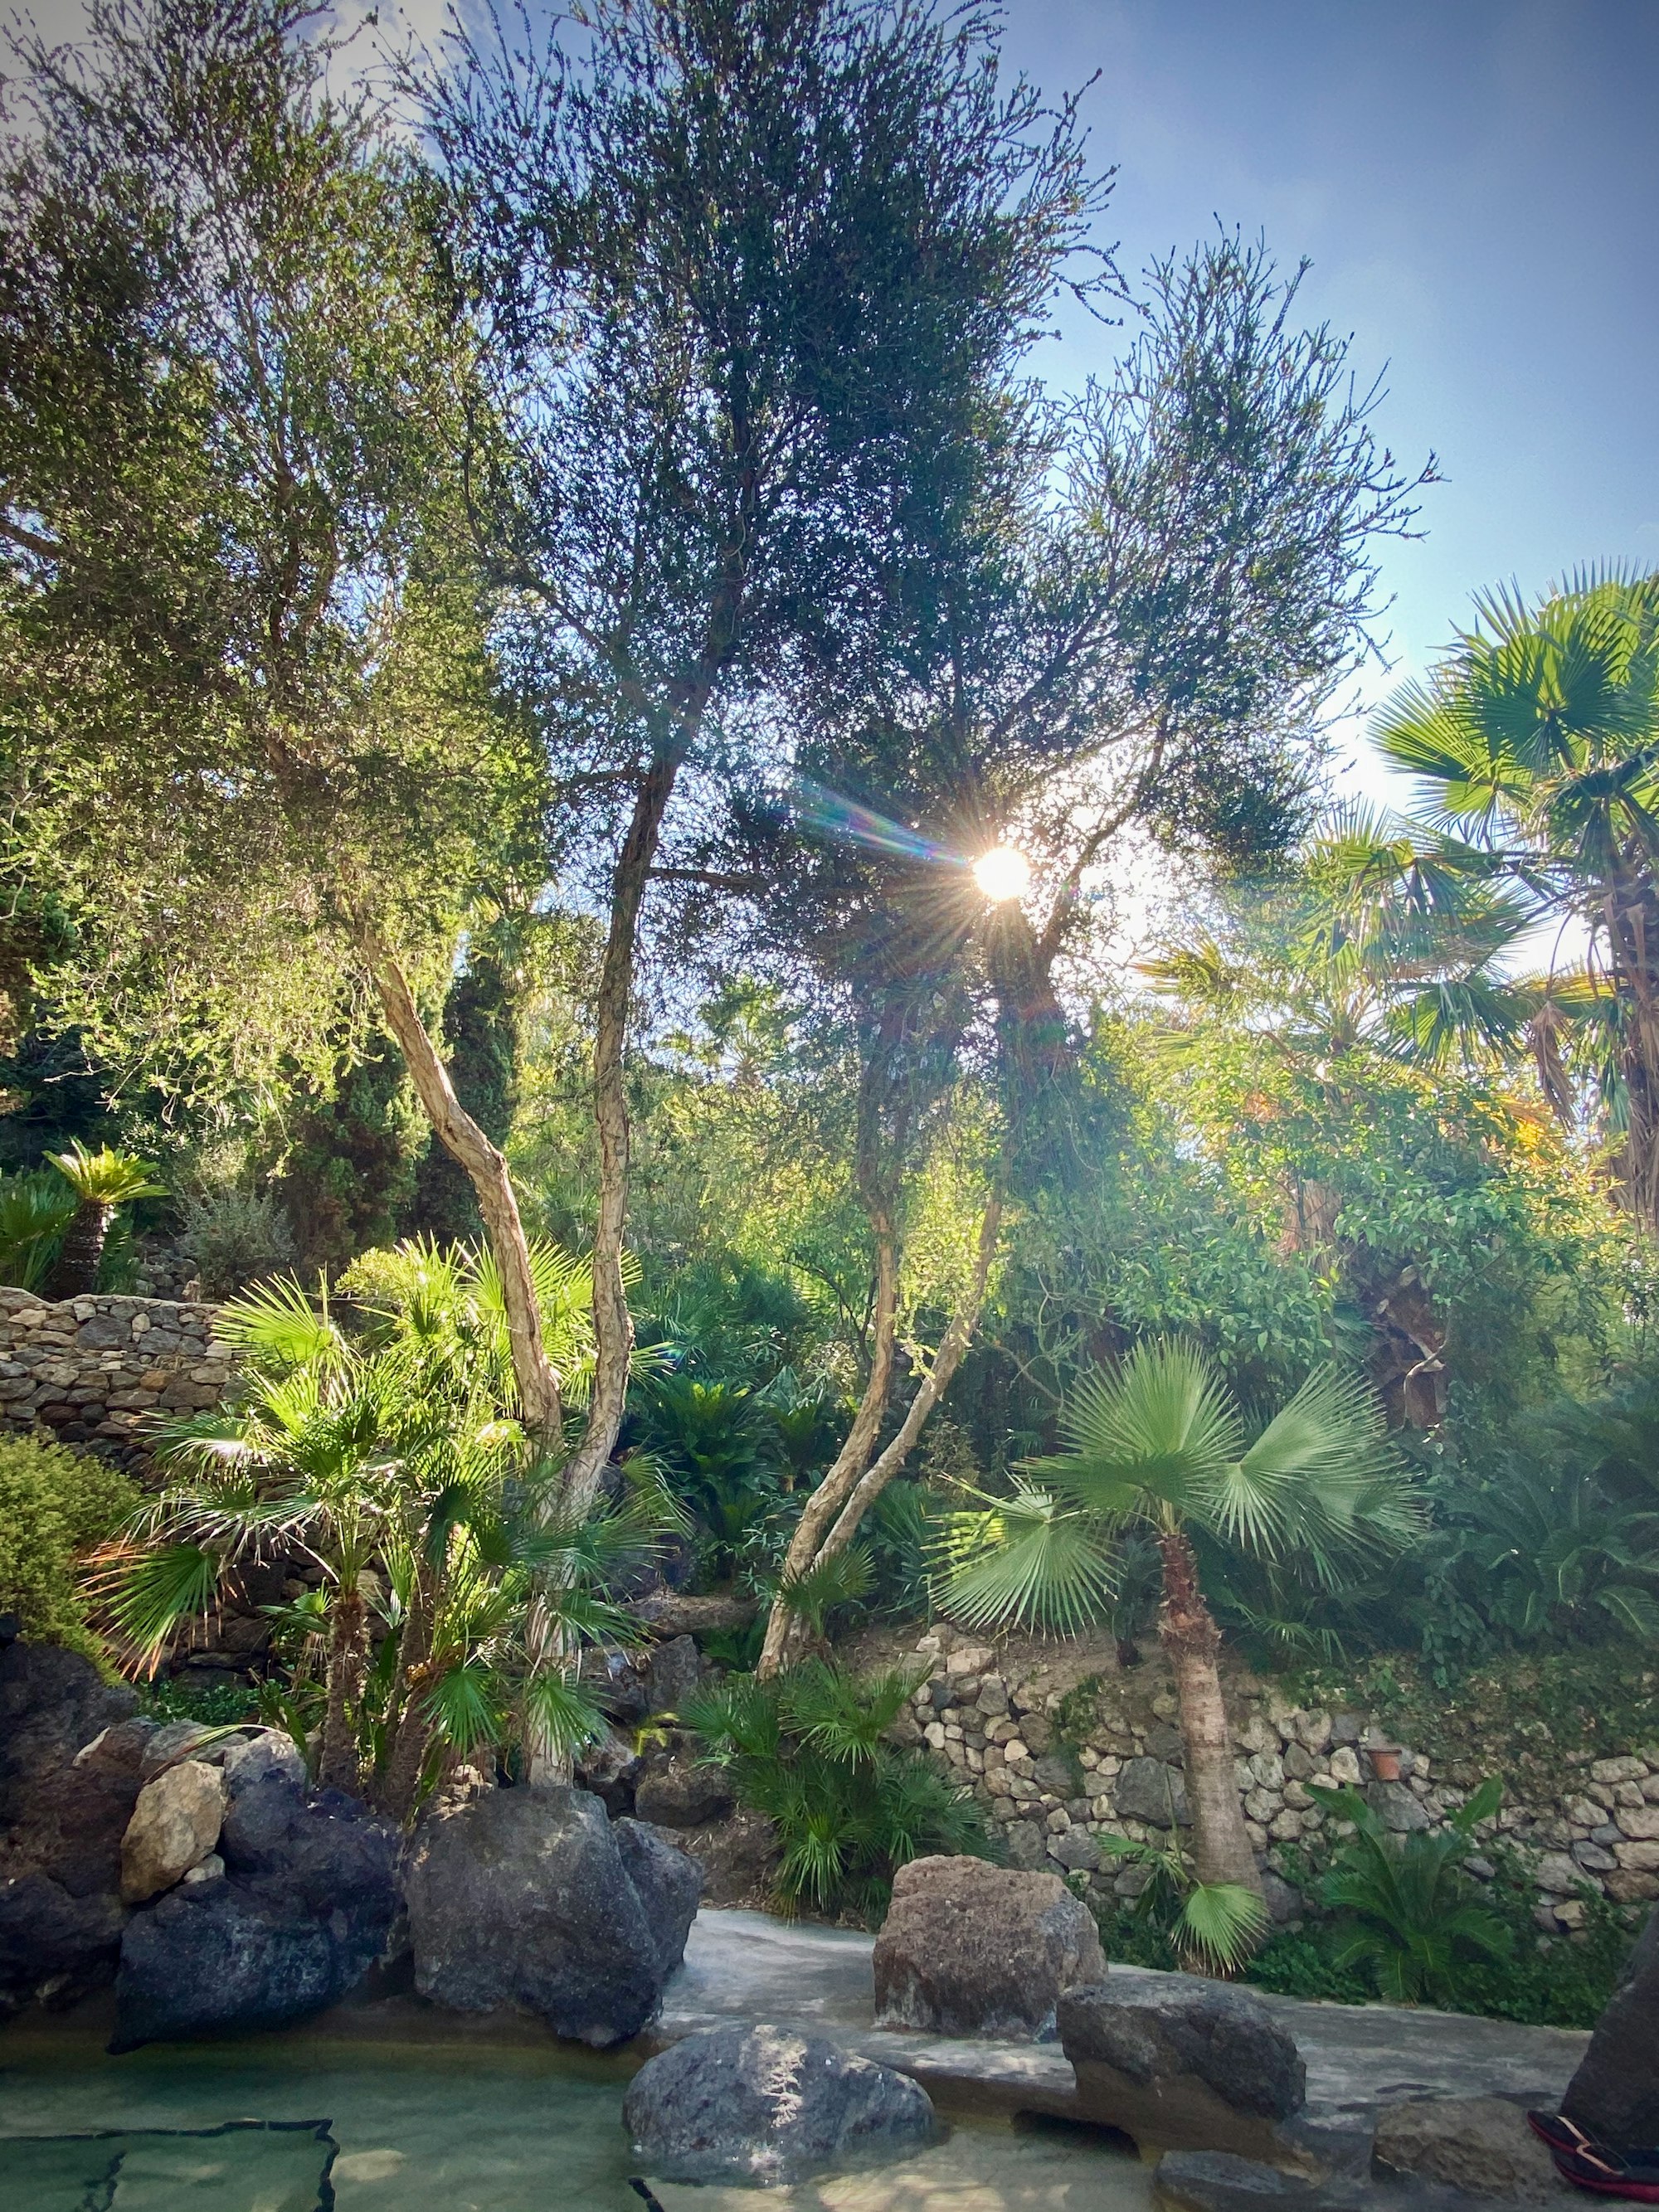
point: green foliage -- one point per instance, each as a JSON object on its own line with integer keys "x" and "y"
{"x": 1541, "y": 1981}
{"x": 806, "y": 1748}
{"x": 717, "y": 1451}
{"x": 213, "y": 1704}
{"x": 105, "y": 1177}
{"x": 56, "y": 1507}
{"x": 1212, "y": 1927}
{"x": 1415, "y": 1919}
{"x": 394, "y": 1458}
{"x": 35, "y": 1209}
{"x": 1159, "y": 1445}
{"x": 235, "y": 1237}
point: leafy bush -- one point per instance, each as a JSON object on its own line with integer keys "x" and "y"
{"x": 215, "y": 1704}
{"x": 55, "y": 1506}
{"x": 35, "y": 1210}
{"x": 715, "y": 1444}
{"x": 233, "y": 1238}
{"x": 807, "y": 1749}
{"x": 1415, "y": 1919}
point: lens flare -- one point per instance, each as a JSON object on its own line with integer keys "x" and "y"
{"x": 1003, "y": 873}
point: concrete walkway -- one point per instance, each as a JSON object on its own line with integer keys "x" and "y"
{"x": 748, "y": 1965}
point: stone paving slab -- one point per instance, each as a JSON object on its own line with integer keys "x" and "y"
{"x": 749, "y": 1965}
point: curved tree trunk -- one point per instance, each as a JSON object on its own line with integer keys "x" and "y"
{"x": 348, "y": 1669}
{"x": 818, "y": 1514}
{"x": 75, "y": 1271}
{"x": 836, "y": 1523}
{"x": 486, "y": 1165}
{"x": 1222, "y": 1850}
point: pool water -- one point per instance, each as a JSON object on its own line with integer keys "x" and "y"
{"x": 438, "y": 2127}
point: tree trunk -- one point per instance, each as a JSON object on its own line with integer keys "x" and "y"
{"x": 1221, "y": 1845}
{"x": 836, "y": 1522}
{"x": 613, "y": 1325}
{"x": 539, "y": 1385}
{"x": 818, "y": 1514}
{"x": 75, "y": 1271}
{"x": 348, "y": 1669}
{"x": 400, "y": 1777}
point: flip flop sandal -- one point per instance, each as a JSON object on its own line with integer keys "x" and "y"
{"x": 1604, "y": 2173}
{"x": 1559, "y": 2132}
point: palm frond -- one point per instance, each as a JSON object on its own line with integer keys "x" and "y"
{"x": 1026, "y": 1559}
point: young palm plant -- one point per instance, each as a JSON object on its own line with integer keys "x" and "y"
{"x": 1213, "y": 1926}
{"x": 390, "y": 1461}
{"x": 806, "y": 1748}
{"x": 1415, "y": 1918}
{"x": 99, "y": 1181}
{"x": 1159, "y": 1446}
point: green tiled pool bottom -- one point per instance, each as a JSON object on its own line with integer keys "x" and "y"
{"x": 291, "y": 2123}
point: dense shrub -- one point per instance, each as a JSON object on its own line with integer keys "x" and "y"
{"x": 806, "y": 1748}
{"x": 233, "y": 1238}
{"x": 55, "y": 1506}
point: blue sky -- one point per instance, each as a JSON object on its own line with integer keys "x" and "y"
{"x": 1477, "y": 185}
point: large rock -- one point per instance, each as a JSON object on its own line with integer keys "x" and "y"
{"x": 1615, "y": 2095}
{"x": 668, "y": 1883}
{"x": 307, "y": 1905}
{"x": 54, "y": 1948}
{"x": 69, "y": 1757}
{"x": 767, "y": 2106}
{"x": 521, "y": 1899}
{"x": 174, "y": 1825}
{"x": 682, "y": 1794}
{"x": 610, "y": 1767}
{"x": 1481, "y": 2145}
{"x": 1184, "y": 2064}
{"x": 1218, "y": 2181}
{"x": 738, "y": 1854}
{"x": 673, "y": 1673}
{"x": 1146, "y": 1789}
{"x": 971, "y": 1949}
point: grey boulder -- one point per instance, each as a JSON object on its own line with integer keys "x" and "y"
{"x": 305, "y": 1907}
{"x": 682, "y": 1793}
{"x": 522, "y": 1900}
{"x": 1615, "y": 2095}
{"x": 1185, "y": 2065}
{"x": 668, "y": 1883}
{"x": 972, "y": 1949}
{"x": 54, "y": 1948}
{"x": 765, "y": 2106}
{"x": 1218, "y": 2181}
{"x": 1480, "y": 2145}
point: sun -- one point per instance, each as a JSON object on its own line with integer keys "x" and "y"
{"x": 1003, "y": 873}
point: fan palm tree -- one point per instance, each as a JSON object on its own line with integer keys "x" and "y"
{"x": 396, "y": 1462}
{"x": 101, "y": 1181}
{"x": 1159, "y": 1446}
{"x": 1537, "y": 740}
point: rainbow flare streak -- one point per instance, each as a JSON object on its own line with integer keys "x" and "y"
{"x": 846, "y": 820}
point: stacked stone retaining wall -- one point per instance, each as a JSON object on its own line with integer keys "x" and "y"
{"x": 994, "y": 1717}
{"x": 89, "y": 1371}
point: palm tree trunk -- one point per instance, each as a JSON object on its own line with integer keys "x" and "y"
{"x": 347, "y": 1667}
{"x": 1221, "y": 1845}
{"x": 75, "y": 1271}
{"x": 400, "y": 1778}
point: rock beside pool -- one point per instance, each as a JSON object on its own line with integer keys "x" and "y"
{"x": 175, "y": 1824}
{"x": 54, "y": 1948}
{"x": 765, "y": 2106}
{"x": 668, "y": 1883}
{"x": 1185, "y": 2065}
{"x": 306, "y": 1906}
{"x": 1615, "y": 2095}
{"x": 1218, "y": 2181}
{"x": 522, "y": 1900}
{"x": 972, "y": 1949}
{"x": 1480, "y": 2145}
{"x": 682, "y": 1793}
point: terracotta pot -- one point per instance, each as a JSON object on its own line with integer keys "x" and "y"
{"x": 1385, "y": 1761}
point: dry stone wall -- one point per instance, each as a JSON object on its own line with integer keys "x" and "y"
{"x": 1003, "y": 1721}
{"x": 89, "y": 1371}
